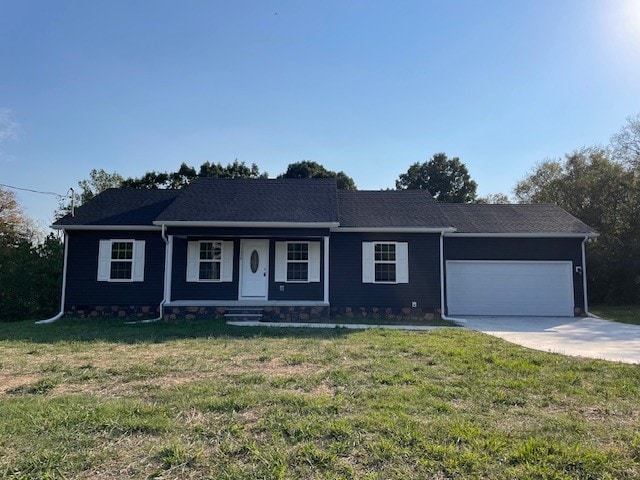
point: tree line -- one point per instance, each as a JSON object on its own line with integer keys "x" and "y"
{"x": 447, "y": 179}
{"x": 30, "y": 269}
{"x": 600, "y": 185}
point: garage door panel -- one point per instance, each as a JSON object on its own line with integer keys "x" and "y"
{"x": 509, "y": 288}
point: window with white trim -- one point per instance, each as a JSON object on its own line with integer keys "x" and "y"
{"x": 210, "y": 261}
{"x": 121, "y": 261}
{"x": 385, "y": 262}
{"x": 297, "y": 261}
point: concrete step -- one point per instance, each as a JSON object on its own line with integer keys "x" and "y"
{"x": 244, "y": 314}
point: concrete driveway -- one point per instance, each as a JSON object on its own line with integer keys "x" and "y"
{"x": 577, "y": 337}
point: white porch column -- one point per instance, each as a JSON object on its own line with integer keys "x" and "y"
{"x": 326, "y": 269}
{"x": 168, "y": 265}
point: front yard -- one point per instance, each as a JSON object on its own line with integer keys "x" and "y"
{"x": 98, "y": 399}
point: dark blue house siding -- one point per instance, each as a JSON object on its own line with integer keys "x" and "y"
{"x": 347, "y": 289}
{"x": 483, "y": 248}
{"x": 183, "y": 290}
{"x": 294, "y": 291}
{"x": 84, "y": 292}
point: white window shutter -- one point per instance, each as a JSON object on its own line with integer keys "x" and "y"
{"x": 281, "y": 262}
{"x": 138, "y": 261}
{"x": 314, "y": 261}
{"x": 227, "y": 262}
{"x": 367, "y": 262}
{"x": 402, "y": 262}
{"x": 104, "y": 260}
{"x": 193, "y": 261}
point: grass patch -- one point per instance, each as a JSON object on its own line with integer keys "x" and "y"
{"x": 96, "y": 398}
{"x": 624, "y": 314}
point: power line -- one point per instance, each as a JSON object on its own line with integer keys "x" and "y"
{"x": 34, "y": 191}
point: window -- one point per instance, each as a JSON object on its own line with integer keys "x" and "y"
{"x": 297, "y": 262}
{"x": 121, "y": 261}
{"x": 209, "y": 261}
{"x": 385, "y": 262}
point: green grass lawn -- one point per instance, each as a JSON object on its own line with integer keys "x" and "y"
{"x": 625, "y": 314}
{"x": 99, "y": 399}
{"x": 435, "y": 322}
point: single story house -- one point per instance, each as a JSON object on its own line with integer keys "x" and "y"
{"x": 302, "y": 249}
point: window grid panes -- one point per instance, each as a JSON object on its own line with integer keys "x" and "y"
{"x": 210, "y": 251}
{"x": 121, "y": 267}
{"x": 210, "y": 265}
{"x": 122, "y": 251}
{"x": 297, "y": 271}
{"x": 298, "y": 251}
{"x": 385, "y": 262}
{"x": 385, "y": 252}
{"x": 121, "y": 270}
{"x": 297, "y": 262}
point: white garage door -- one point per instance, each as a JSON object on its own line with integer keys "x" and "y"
{"x": 509, "y": 288}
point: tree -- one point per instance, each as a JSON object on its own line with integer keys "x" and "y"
{"x": 588, "y": 184}
{"x": 98, "y": 182}
{"x": 30, "y": 273}
{"x": 31, "y": 279}
{"x": 626, "y": 143}
{"x": 541, "y": 183}
{"x": 14, "y": 224}
{"x": 232, "y": 170}
{"x": 311, "y": 169}
{"x": 186, "y": 174}
{"x": 604, "y": 194}
{"x": 448, "y": 180}
{"x": 494, "y": 198}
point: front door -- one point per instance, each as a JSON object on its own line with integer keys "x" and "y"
{"x": 254, "y": 269}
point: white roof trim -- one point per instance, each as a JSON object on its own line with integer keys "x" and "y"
{"x": 523, "y": 235}
{"x": 198, "y": 223}
{"x": 395, "y": 229}
{"x": 106, "y": 227}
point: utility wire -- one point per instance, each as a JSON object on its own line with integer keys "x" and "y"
{"x": 34, "y": 191}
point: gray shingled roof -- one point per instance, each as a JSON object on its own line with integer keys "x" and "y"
{"x": 389, "y": 208}
{"x": 517, "y": 218}
{"x": 315, "y": 201}
{"x": 255, "y": 200}
{"x": 121, "y": 206}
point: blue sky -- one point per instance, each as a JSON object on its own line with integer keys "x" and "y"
{"x": 367, "y": 87}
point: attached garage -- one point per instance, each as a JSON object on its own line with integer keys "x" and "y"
{"x": 508, "y": 287}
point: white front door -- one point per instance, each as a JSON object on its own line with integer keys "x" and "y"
{"x": 254, "y": 269}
